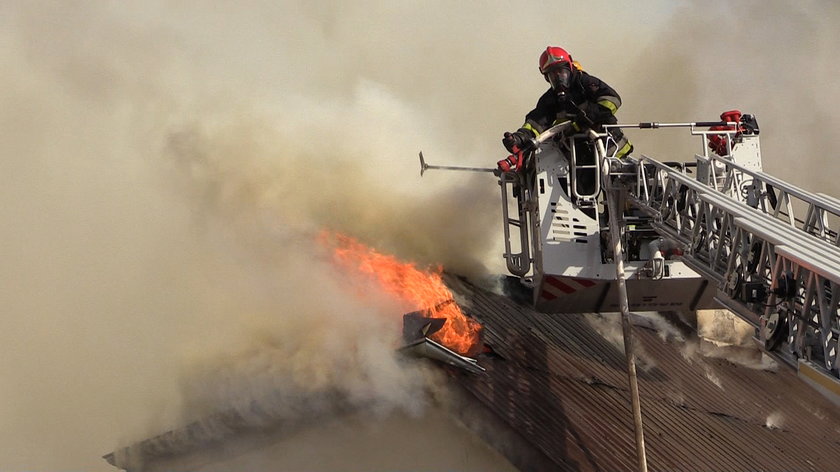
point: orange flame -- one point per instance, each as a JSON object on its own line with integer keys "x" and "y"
{"x": 423, "y": 290}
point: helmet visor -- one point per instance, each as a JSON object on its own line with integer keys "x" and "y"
{"x": 559, "y": 77}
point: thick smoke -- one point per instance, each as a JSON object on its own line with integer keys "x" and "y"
{"x": 167, "y": 169}
{"x": 166, "y": 166}
{"x": 769, "y": 58}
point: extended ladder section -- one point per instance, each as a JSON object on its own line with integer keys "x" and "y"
{"x": 815, "y": 214}
{"x": 740, "y": 228}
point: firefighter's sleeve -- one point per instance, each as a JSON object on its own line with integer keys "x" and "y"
{"x": 542, "y": 116}
{"x": 603, "y": 101}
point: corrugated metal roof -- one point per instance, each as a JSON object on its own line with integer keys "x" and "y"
{"x": 563, "y": 387}
{"x": 555, "y": 397}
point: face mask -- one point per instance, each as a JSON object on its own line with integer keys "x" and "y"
{"x": 559, "y": 78}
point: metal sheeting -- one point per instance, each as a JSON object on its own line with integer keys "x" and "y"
{"x": 563, "y": 387}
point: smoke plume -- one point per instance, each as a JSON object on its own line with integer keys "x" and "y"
{"x": 717, "y": 56}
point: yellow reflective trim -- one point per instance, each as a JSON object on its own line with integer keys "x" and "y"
{"x": 624, "y": 150}
{"x": 608, "y": 104}
{"x": 531, "y": 129}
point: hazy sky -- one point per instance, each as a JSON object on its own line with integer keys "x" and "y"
{"x": 166, "y": 165}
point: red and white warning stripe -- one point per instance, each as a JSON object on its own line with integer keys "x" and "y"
{"x": 554, "y": 287}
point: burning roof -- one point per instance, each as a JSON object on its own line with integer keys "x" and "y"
{"x": 555, "y": 390}
{"x": 421, "y": 290}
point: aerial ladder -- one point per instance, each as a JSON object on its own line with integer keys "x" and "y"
{"x": 587, "y": 232}
{"x": 769, "y": 247}
{"x": 714, "y": 231}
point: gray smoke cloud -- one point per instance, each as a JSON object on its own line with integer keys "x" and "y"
{"x": 768, "y": 58}
{"x": 167, "y": 165}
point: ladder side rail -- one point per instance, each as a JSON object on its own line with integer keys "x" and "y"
{"x": 649, "y": 187}
{"x": 734, "y": 186}
{"x": 662, "y": 200}
{"x": 811, "y": 313}
{"x": 677, "y": 210}
{"x": 657, "y": 199}
{"x": 783, "y": 249}
{"x": 804, "y": 314}
{"x": 817, "y": 315}
{"x": 834, "y": 235}
{"x": 819, "y": 206}
{"x": 830, "y": 203}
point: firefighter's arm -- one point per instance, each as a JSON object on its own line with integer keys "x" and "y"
{"x": 542, "y": 116}
{"x": 536, "y": 121}
{"x": 593, "y": 114}
{"x": 603, "y": 102}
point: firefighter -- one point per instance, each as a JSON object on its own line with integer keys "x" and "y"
{"x": 574, "y": 95}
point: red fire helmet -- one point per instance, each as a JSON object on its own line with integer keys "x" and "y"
{"x": 552, "y": 56}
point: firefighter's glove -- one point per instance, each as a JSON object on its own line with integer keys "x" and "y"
{"x": 582, "y": 115}
{"x": 516, "y": 141}
{"x": 581, "y": 121}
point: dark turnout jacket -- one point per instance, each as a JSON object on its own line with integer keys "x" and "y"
{"x": 589, "y": 102}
